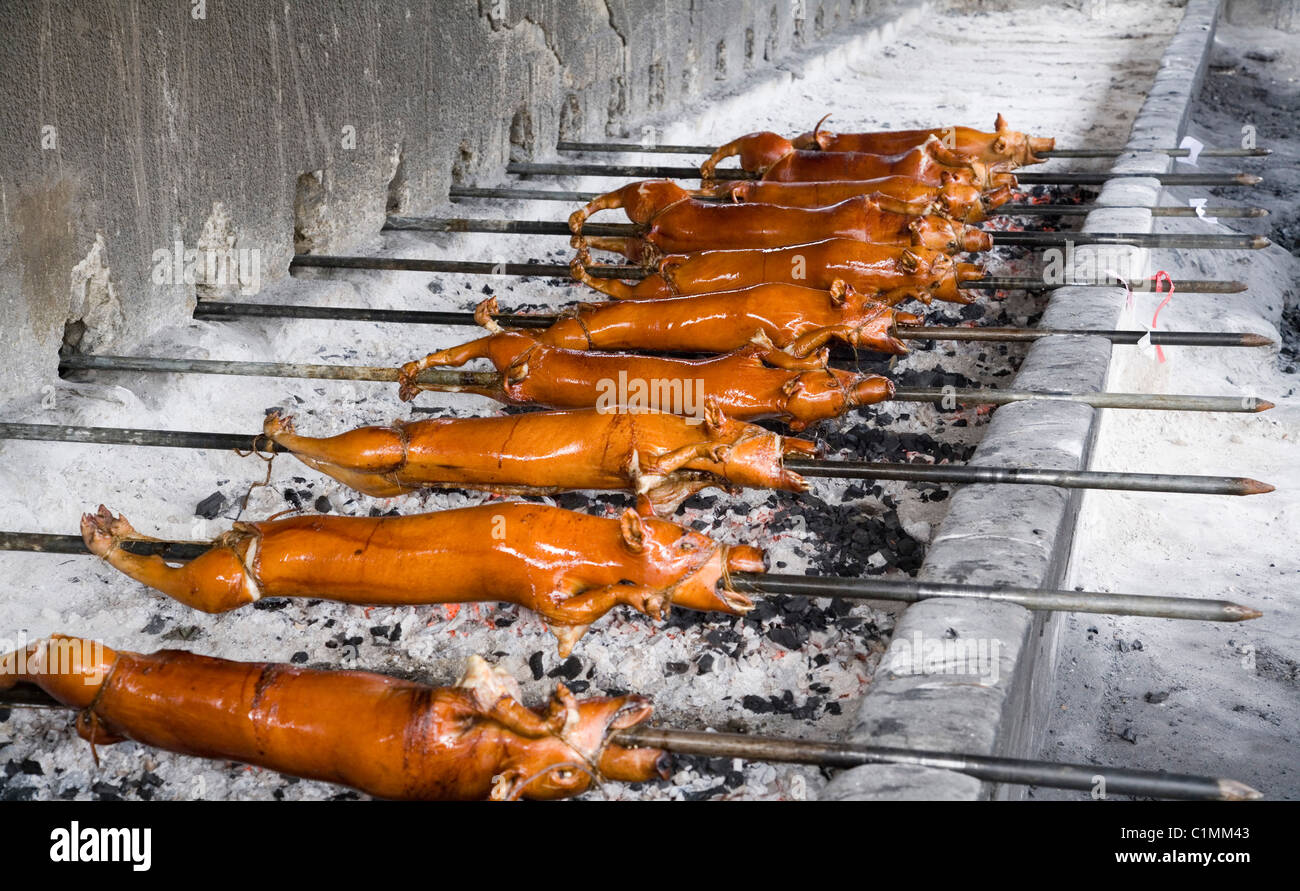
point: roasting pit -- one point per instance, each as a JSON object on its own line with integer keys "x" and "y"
{"x": 794, "y": 667}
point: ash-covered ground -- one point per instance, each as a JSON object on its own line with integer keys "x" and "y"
{"x": 1204, "y": 698}
{"x": 793, "y": 667}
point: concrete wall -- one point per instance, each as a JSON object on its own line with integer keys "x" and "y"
{"x": 1281, "y": 14}
{"x": 130, "y": 125}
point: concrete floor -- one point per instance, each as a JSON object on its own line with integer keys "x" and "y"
{"x": 1200, "y": 697}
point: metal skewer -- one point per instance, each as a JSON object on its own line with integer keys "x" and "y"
{"x": 1013, "y": 209}
{"x": 636, "y": 171}
{"x": 1033, "y": 239}
{"x": 1164, "y": 210}
{"x": 456, "y": 381}
{"x": 1083, "y": 777}
{"x": 212, "y": 310}
{"x": 862, "y": 470}
{"x": 849, "y": 588}
{"x": 637, "y": 148}
{"x": 834, "y": 754}
{"x": 557, "y": 270}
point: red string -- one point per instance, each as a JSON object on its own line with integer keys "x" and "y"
{"x": 1161, "y": 278}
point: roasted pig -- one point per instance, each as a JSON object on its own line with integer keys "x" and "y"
{"x": 899, "y": 194}
{"x": 1003, "y": 149}
{"x": 387, "y": 737}
{"x": 676, "y": 223}
{"x": 662, "y": 458}
{"x": 884, "y": 273}
{"x": 773, "y": 158}
{"x": 758, "y": 381}
{"x": 569, "y": 567}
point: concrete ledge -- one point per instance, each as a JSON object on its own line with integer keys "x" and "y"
{"x": 947, "y": 698}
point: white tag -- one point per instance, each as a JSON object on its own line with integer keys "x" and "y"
{"x": 1193, "y": 147}
{"x": 1146, "y": 346}
{"x": 1199, "y": 204}
{"x": 1126, "y": 317}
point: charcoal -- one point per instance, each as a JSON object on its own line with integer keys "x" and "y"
{"x": 705, "y": 793}
{"x": 211, "y": 507}
{"x": 568, "y": 669}
{"x": 271, "y": 604}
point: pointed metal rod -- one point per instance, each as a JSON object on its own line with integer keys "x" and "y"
{"x": 1013, "y": 209}
{"x": 760, "y": 584}
{"x": 1032, "y": 239}
{"x": 669, "y": 149}
{"x": 1164, "y": 210}
{"x": 835, "y": 754}
{"x": 1168, "y": 179}
{"x": 220, "y": 310}
{"x": 1023, "y": 335}
{"x": 1139, "y": 401}
{"x": 636, "y": 171}
{"x": 1183, "y": 240}
{"x": 558, "y": 270}
{"x": 511, "y": 194}
{"x": 990, "y": 769}
{"x": 509, "y": 227}
{"x": 1041, "y": 599}
{"x": 858, "y": 470}
{"x": 1069, "y": 479}
{"x": 456, "y": 381}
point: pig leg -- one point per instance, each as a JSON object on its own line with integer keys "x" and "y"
{"x": 572, "y": 615}
{"x": 454, "y": 357}
{"x": 359, "y": 458}
{"x": 683, "y": 455}
{"x": 611, "y": 287}
{"x": 786, "y": 362}
{"x": 70, "y": 669}
{"x": 814, "y": 340}
{"x": 638, "y": 250}
{"x": 215, "y": 581}
{"x": 523, "y": 721}
{"x": 663, "y": 499}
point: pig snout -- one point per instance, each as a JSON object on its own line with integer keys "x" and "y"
{"x": 975, "y": 239}
{"x": 745, "y": 558}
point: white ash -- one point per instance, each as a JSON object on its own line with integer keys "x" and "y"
{"x": 1078, "y": 79}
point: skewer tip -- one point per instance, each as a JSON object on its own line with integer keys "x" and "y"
{"x": 1259, "y": 242}
{"x": 1261, "y": 404}
{"x": 1256, "y": 340}
{"x": 1236, "y": 612}
{"x": 1254, "y": 487}
{"x": 1231, "y": 790}
{"x": 1248, "y": 179}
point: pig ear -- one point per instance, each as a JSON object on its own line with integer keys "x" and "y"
{"x": 839, "y": 288}
{"x": 633, "y": 531}
{"x": 1000, "y": 124}
{"x": 714, "y": 419}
